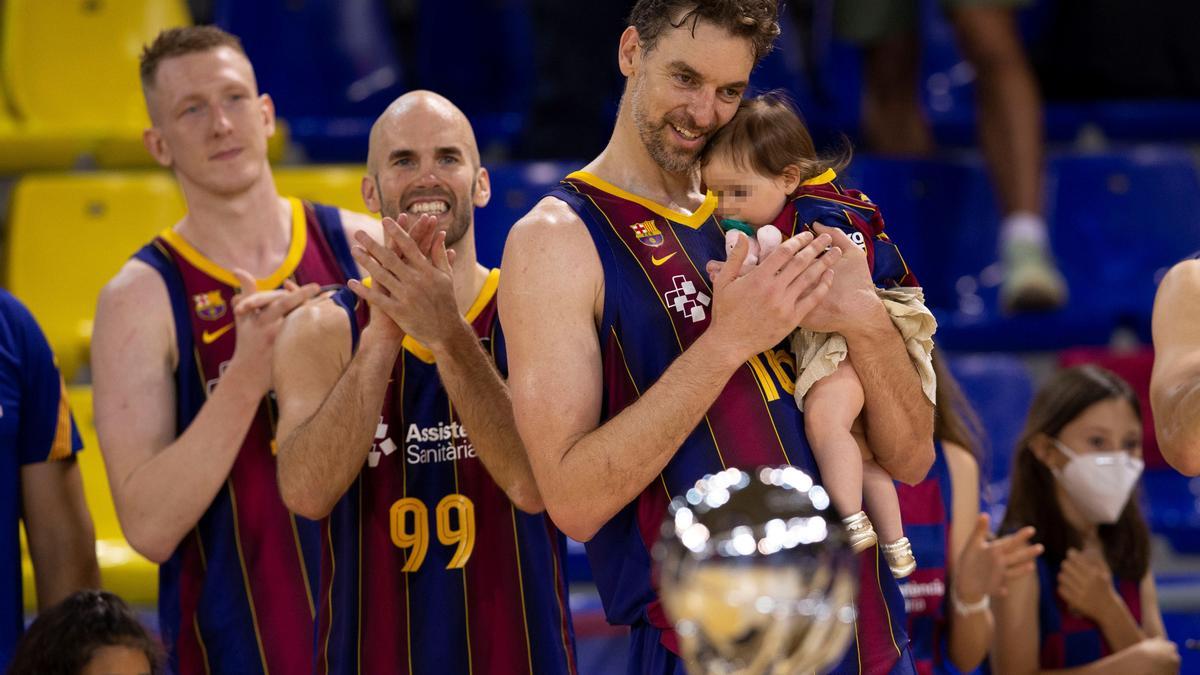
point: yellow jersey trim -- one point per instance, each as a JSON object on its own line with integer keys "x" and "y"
{"x": 828, "y": 176}
{"x": 485, "y": 296}
{"x": 290, "y": 262}
{"x": 694, "y": 220}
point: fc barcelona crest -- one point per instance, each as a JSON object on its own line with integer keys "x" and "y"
{"x": 647, "y": 233}
{"x": 209, "y": 306}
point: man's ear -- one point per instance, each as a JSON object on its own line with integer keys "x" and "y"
{"x": 267, "y": 106}
{"x": 156, "y": 145}
{"x": 370, "y": 194}
{"x": 483, "y": 189}
{"x": 629, "y": 52}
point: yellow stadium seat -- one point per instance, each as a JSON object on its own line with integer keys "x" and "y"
{"x": 71, "y": 69}
{"x": 69, "y": 234}
{"x": 334, "y": 185}
{"x": 122, "y": 570}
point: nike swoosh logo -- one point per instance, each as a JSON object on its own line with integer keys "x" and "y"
{"x": 212, "y": 337}
{"x": 660, "y": 261}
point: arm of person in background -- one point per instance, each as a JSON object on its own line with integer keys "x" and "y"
{"x": 58, "y": 524}
{"x": 979, "y": 568}
{"x": 163, "y": 483}
{"x": 898, "y": 417}
{"x": 58, "y": 527}
{"x": 1085, "y": 583}
{"x": 551, "y": 294}
{"x": 329, "y": 397}
{"x": 1175, "y": 383}
{"x": 418, "y": 293}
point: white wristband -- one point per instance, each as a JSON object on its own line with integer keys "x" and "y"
{"x": 968, "y": 608}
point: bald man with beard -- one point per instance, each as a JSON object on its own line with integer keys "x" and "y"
{"x": 436, "y": 556}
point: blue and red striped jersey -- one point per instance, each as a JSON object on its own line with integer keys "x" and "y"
{"x": 926, "y": 509}
{"x": 821, "y": 200}
{"x": 427, "y": 567}
{"x": 35, "y": 426}
{"x": 1068, "y": 639}
{"x": 237, "y": 596}
{"x": 657, "y": 302}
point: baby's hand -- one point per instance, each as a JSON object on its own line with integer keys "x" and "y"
{"x": 731, "y": 240}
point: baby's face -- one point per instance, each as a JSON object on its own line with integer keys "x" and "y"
{"x": 743, "y": 194}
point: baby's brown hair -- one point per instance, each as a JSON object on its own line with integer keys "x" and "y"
{"x": 766, "y": 135}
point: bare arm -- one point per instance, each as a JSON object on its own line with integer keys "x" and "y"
{"x": 549, "y": 298}
{"x": 58, "y": 526}
{"x": 1175, "y": 384}
{"x": 163, "y": 484}
{"x": 898, "y": 417}
{"x": 1017, "y": 643}
{"x": 327, "y": 411}
{"x": 417, "y": 291}
{"x": 1152, "y": 621}
{"x": 971, "y": 634}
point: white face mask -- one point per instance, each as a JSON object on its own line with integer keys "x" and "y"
{"x": 1099, "y": 483}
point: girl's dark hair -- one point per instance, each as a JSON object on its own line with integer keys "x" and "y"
{"x": 1033, "y": 497}
{"x": 955, "y": 419}
{"x": 64, "y": 638}
{"x": 766, "y": 136}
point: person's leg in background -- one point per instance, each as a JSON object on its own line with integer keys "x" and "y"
{"x": 893, "y": 122}
{"x": 1009, "y": 113}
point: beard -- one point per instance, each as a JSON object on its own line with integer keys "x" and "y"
{"x": 654, "y": 135}
{"x": 459, "y": 220}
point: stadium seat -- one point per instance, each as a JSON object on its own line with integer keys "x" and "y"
{"x": 515, "y": 189}
{"x": 69, "y": 234}
{"x": 71, "y": 69}
{"x": 1000, "y": 388}
{"x": 339, "y": 186}
{"x": 1142, "y": 203}
{"x": 122, "y": 570}
{"x": 331, "y": 68}
{"x": 495, "y": 48}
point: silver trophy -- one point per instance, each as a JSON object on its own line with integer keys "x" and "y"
{"x": 756, "y": 573}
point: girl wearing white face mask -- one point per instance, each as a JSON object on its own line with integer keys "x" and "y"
{"x": 1092, "y": 606}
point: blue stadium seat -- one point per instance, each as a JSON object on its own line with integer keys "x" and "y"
{"x": 1000, "y": 388}
{"x": 942, "y": 214}
{"x": 1172, "y": 507}
{"x": 515, "y": 189}
{"x": 1122, "y": 219}
{"x": 330, "y": 66}
{"x": 489, "y": 73}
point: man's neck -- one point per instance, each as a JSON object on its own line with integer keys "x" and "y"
{"x": 627, "y": 164}
{"x": 251, "y": 230}
{"x": 469, "y": 275}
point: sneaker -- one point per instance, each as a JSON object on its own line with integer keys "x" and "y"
{"x": 1032, "y": 283}
{"x": 861, "y": 532}
{"x": 900, "y": 557}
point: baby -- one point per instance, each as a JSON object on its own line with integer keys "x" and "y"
{"x": 770, "y": 183}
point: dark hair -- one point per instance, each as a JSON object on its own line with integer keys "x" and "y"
{"x": 755, "y": 20}
{"x": 64, "y": 638}
{"x": 766, "y": 136}
{"x": 955, "y": 419}
{"x": 1033, "y": 497}
{"x": 180, "y": 41}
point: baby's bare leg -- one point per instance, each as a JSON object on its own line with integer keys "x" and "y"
{"x": 830, "y": 408}
{"x": 883, "y": 505}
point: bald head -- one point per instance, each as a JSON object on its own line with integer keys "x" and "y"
{"x": 423, "y": 160}
{"x": 410, "y": 119}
